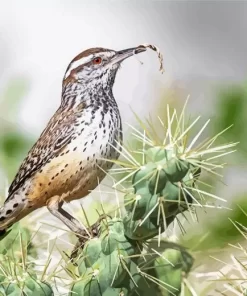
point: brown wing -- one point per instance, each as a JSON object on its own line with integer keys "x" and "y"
{"x": 52, "y": 141}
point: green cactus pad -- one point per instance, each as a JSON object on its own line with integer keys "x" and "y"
{"x": 189, "y": 180}
{"x": 157, "y": 182}
{"x": 173, "y": 272}
{"x": 134, "y": 231}
{"x": 155, "y": 154}
{"x": 2, "y": 278}
{"x": 116, "y": 292}
{"x": 112, "y": 236}
{"x": 140, "y": 178}
{"x": 86, "y": 288}
{"x": 82, "y": 268}
{"x": 117, "y": 225}
{"x": 92, "y": 288}
{"x": 131, "y": 247}
{"x": 176, "y": 169}
{"x": 33, "y": 285}
{"x": 138, "y": 207}
{"x": 116, "y": 268}
{"x": 109, "y": 243}
{"x": 92, "y": 252}
{"x": 133, "y": 282}
{"x": 152, "y": 206}
{"x": 30, "y": 287}
{"x": 13, "y": 290}
{"x": 44, "y": 288}
{"x": 172, "y": 192}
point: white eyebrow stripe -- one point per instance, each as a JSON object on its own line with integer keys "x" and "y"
{"x": 78, "y": 63}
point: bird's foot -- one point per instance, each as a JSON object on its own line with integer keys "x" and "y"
{"x": 84, "y": 235}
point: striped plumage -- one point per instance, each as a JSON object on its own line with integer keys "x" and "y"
{"x": 66, "y": 161}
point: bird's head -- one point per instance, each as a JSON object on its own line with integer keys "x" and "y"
{"x": 99, "y": 65}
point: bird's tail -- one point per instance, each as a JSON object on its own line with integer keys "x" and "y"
{"x": 4, "y": 233}
{"x": 11, "y": 212}
{"x": 4, "y": 224}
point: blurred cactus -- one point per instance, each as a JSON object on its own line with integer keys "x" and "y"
{"x": 11, "y": 244}
{"x": 25, "y": 285}
{"x": 17, "y": 266}
{"x": 232, "y": 268}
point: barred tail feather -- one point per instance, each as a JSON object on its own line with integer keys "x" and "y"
{"x": 11, "y": 212}
{"x": 2, "y": 233}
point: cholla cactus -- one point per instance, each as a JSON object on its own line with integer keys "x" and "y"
{"x": 17, "y": 274}
{"x": 163, "y": 184}
{"x": 25, "y": 285}
{"x": 163, "y": 187}
{"x": 229, "y": 276}
{"x": 112, "y": 264}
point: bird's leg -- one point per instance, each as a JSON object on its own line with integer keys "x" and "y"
{"x": 56, "y": 209}
{"x": 93, "y": 230}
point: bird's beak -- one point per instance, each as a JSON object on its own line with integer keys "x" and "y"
{"x": 126, "y": 53}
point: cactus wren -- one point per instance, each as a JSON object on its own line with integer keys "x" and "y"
{"x": 67, "y": 160}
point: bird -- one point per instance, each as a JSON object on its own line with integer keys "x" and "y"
{"x": 71, "y": 156}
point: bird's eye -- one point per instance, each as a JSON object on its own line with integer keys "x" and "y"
{"x": 97, "y": 61}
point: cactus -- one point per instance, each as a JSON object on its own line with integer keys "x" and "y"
{"x": 172, "y": 267}
{"x": 232, "y": 270}
{"x": 28, "y": 286}
{"x": 10, "y": 242}
{"x": 163, "y": 184}
{"x": 111, "y": 262}
{"x": 17, "y": 274}
{"x": 158, "y": 192}
{"x": 106, "y": 259}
